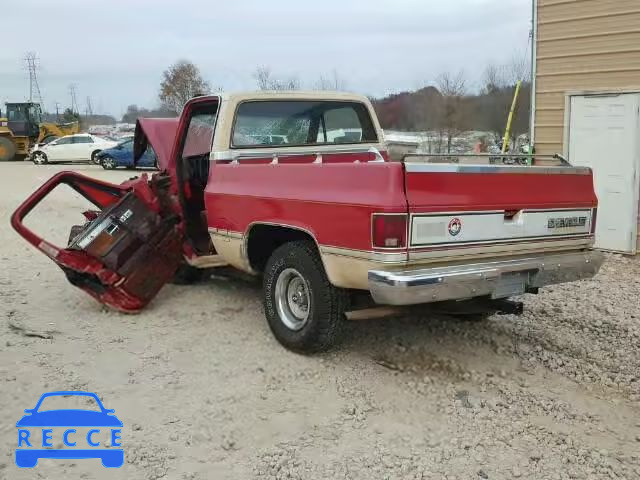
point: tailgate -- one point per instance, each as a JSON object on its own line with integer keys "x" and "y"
{"x": 484, "y": 208}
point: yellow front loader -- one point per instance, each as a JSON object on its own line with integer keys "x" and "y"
{"x": 22, "y": 127}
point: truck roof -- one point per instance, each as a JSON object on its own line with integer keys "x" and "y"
{"x": 292, "y": 95}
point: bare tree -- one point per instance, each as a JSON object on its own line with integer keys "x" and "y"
{"x": 266, "y": 81}
{"x": 333, "y": 81}
{"x": 181, "y": 82}
{"x": 451, "y": 119}
{"x": 498, "y": 89}
{"x": 498, "y": 76}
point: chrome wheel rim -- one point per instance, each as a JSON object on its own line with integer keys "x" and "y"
{"x": 108, "y": 162}
{"x": 292, "y": 299}
{"x": 38, "y": 158}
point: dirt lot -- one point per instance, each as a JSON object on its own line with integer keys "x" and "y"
{"x": 204, "y": 391}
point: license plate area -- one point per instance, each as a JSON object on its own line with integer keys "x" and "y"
{"x": 511, "y": 284}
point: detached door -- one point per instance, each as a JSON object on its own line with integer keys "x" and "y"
{"x": 126, "y": 250}
{"x": 604, "y": 134}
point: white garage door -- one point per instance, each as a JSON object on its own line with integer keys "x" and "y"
{"x": 604, "y": 134}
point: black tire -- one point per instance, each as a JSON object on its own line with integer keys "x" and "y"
{"x": 39, "y": 158}
{"x": 93, "y": 157}
{"x": 108, "y": 163}
{"x": 7, "y": 149}
{"x": 186, "y": 275}
{"x": 325, "y": 304}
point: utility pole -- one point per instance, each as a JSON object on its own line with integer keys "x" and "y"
{"x": 31, "y": 61}
{"x": 57, "y": 112}
{"x": 74, "y": 101}
{"x": 89, "y": 109}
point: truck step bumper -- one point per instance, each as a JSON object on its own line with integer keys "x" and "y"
{"x": 496, "y": 279}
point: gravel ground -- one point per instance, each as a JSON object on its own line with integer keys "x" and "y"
{"x": 204, "y": 391}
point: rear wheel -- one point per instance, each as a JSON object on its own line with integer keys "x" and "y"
{"x": 7, "y": 149}
{"x": 39, "y": 158}
{"x": 304, "y": 310}
{"x": 108, "y": 163}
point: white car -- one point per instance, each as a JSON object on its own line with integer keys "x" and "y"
{"x": 71, "y": 148}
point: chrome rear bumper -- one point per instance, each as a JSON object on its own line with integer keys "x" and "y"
{"x": 497, "y": 279}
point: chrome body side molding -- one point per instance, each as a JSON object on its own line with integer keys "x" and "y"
{"x": 416, "y": 167}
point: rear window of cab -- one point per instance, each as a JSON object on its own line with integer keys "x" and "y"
{"x": 301, "y": 123}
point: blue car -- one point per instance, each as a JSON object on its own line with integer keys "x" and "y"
{"x": 105, "y": 418}
{"x": 122, "y": 156}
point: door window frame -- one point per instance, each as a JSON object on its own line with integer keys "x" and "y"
{"x": 312, "y": 127}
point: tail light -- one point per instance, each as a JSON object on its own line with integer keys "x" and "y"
{"x": 594, "y": 217}
{"x": 389, "y": 230}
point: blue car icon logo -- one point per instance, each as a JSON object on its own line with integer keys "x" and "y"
{"x": 41, "y": 423}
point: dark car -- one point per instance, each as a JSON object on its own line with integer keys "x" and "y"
{"x": 122, "y": 156}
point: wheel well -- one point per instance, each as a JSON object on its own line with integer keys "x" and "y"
{"x": 264, "y": 239}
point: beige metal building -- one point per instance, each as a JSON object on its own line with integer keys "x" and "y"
{"x": 587, "y": 103}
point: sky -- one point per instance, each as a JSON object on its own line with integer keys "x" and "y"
{"x": 114, "y": 51}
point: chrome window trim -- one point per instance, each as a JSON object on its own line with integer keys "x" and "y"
{"x": 457, "y": 168}
{"x": 318, "y": 150}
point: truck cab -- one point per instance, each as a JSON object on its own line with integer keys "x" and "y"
{"x": 297, "y": 187}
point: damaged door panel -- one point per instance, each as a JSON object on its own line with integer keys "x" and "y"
{"x": 128, "y": 248}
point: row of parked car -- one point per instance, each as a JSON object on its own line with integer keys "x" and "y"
{"x": 85, "y": 147}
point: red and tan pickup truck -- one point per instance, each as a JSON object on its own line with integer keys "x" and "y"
{"x": 297, "y": 187}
